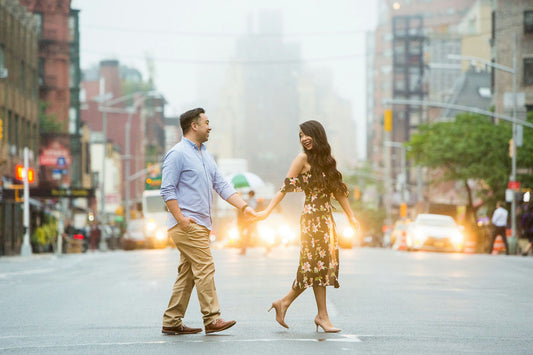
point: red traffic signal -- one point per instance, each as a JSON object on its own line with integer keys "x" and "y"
{"x": 19, "y": 173}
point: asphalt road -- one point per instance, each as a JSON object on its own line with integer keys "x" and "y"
{"x": 389, "y": 302}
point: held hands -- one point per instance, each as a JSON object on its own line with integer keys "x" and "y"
{"x": 262, "y": 215}
{"x": 250, "y": 213}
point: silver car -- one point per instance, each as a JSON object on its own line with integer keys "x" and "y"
{"x": 435, "y": 232}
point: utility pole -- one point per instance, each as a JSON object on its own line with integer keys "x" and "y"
{"x": 103, "y": 245}
{"x": 26, "y": 247}
{"x": 514, "y": 238}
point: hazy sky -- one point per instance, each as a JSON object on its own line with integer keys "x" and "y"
{"x": 186, "y": 37}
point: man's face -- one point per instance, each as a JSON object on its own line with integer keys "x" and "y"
{"x": 202, "y": 128}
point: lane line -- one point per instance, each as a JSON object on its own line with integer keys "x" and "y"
{"x": 348, "y": 338}
{"x": 26, "y": 272}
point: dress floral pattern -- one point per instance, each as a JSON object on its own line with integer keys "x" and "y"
{"x": 319, "y": 251}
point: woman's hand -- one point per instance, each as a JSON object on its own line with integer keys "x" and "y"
{"x": 261, "y": 215}
{"x": 355, "y": 224}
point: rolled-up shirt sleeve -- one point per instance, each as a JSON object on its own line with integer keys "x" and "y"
{"x": 172, "y": 167}
{"x": 221, "y": 186}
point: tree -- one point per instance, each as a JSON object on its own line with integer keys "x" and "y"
{"x": 48, "y": 123}
{"x": 471, "y": 148}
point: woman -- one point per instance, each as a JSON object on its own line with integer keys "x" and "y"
{"x": 314, "y": 171}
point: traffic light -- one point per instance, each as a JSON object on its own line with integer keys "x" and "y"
{"x": 1, "y": 129}
{"x": 19, "y": 173}
{"x": 387, "y": 121}
{"x": 403, "y": 210}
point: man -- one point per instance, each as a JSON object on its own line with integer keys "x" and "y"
{"x": 189, "y": 176}
{"x": 499, "y": 222}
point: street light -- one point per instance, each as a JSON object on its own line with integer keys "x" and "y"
{"x": 513, "y": 71}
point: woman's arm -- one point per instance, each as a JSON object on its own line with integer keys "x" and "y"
{"x": 343, "y": 201}
{"x": 298, "y": 165}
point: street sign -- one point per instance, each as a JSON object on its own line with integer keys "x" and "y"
{"x": 514, "y": 185}
{"x": 61, "y": 161}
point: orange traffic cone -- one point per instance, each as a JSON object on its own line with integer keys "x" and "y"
{"x": 470, "y": 247}
{"x": 499, "y": 246}
{"x": 403, "y": 242}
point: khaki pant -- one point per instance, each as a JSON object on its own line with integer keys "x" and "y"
{"x": 196, "y": 268}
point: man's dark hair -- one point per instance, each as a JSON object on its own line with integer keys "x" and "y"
{"x": 188, "y": 117}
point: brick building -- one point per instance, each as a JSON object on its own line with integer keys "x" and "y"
{"x": 146, "y": 130}
{"x": 18, "y": 112}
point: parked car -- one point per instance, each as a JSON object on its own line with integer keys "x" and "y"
{"x": 435, "y": 232}
{"x": 133, "y": 237}
{"x": 75, "y": 240}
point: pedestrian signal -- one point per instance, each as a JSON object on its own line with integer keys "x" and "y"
{"x": 20, "y": 173}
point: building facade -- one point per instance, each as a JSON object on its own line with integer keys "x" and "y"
{"x": 141, "y": 112}
{"x": 513, "y": 23}
{"x": 18, "y": 113}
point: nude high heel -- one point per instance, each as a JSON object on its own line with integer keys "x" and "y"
{"x": 280, "y": 317}
{"x": 328, "y": 330}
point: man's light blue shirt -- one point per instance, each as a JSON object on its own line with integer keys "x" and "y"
{"x": 189, "y": 176}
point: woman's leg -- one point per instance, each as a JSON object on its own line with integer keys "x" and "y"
{"x": 322, "y": 317}
{"x": 283, "y": 304}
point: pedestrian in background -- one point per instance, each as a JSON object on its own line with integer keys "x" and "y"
{"x": 248, "y": 226}
{"x": 499, "y": 223}
{"x": 95, "y": 235}
{"x": 189, "y": 177}
{"x": 314, "y": 171}
{"x": 527, "y": 228}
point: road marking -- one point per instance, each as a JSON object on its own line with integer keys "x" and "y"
{"x": 346, "y": 338}
{"x": 26, "y": 272}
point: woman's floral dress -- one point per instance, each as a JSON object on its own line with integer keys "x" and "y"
{"x": 319, "y": 251}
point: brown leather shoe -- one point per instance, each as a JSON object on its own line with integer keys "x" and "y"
{"x": 182, "y": 329}
{"x": 218, "y": 325}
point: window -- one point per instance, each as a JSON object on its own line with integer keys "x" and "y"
{"x": 22, "y": 77}
{"x": 2, "y": 57}
{"x": 39, "y": 19}
{"x": 528, "y": 21}
{"x": 41, "y": 71}
{"x": 528, "y": 71}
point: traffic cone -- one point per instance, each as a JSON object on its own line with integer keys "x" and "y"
{"x": 499, "y": 246}
{"x": 403, "y": 242}
{"x": 470, "y": 247}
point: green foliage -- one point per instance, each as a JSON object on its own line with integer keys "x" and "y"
{"x": 524, "y": 161}
{"x": 38, "y": 236}
{"x": 45, "y": 234}
{"x": 48, "y": 123}
{"x": 472, "y": 148}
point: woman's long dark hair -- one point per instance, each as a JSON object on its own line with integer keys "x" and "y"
{"x": 320, "y": 159}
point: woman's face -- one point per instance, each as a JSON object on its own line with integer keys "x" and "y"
{"x": 307, "y": 141}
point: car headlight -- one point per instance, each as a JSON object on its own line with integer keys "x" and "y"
{"x": 457, "y": 238}
{"x": 151, "y": 226}
{"x": 286, "y": 233}
{"x": 233, "y": 234}
{"x": 348, "y": 233}
{"x": 267, "y": 234}
{"x": 160, "y": 234}
{"x": 419, "y": 236}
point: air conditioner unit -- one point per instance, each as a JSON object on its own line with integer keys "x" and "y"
{"x": 3, "y": 73}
